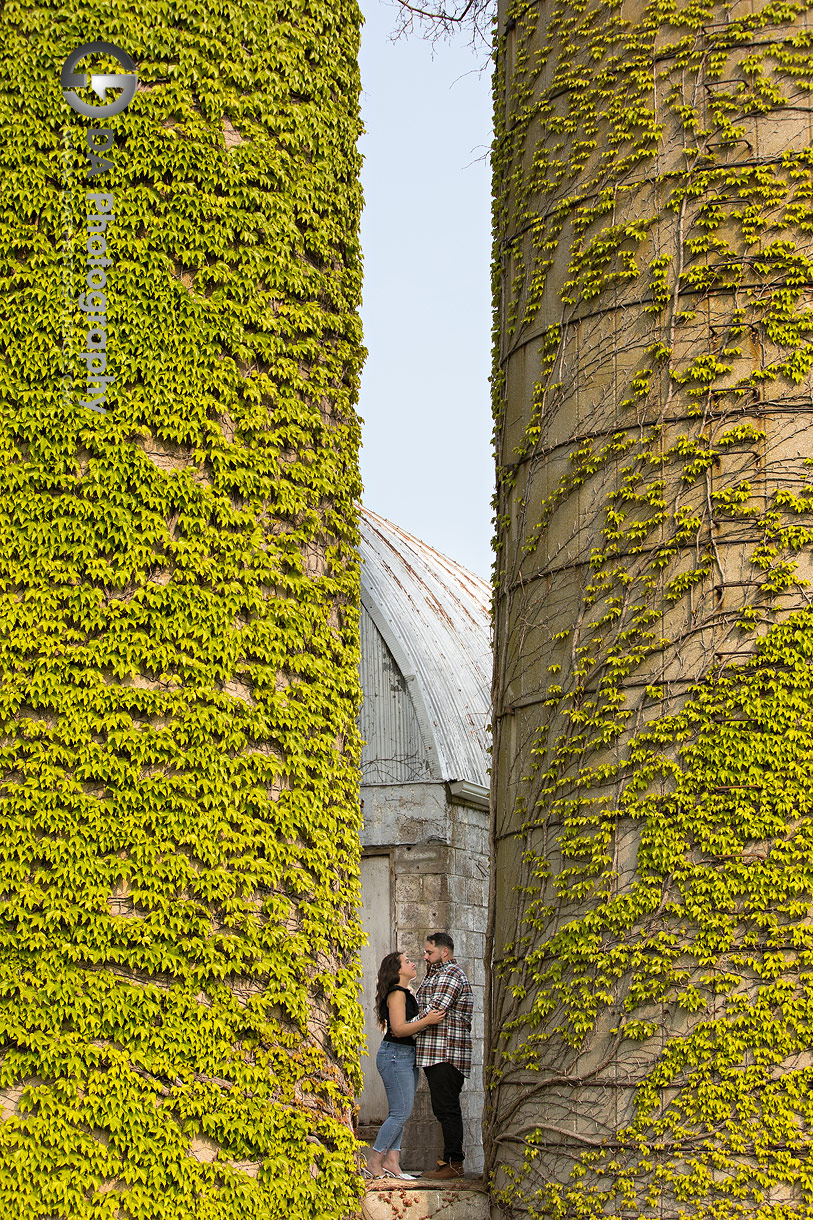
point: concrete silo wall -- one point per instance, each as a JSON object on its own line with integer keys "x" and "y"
{"x": 651, "y": 1002}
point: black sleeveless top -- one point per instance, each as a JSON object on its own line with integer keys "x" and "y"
{"x": 412, "y": 1011}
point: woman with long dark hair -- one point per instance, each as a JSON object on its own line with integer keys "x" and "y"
{"x": 396, "y": 1012}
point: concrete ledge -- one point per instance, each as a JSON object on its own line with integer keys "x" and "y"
{"x": 388, "y": 1199}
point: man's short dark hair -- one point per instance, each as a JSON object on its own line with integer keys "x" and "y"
{"x": 441, "y": 940}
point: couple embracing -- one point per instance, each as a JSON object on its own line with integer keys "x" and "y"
{"x": 432, "y": 1030}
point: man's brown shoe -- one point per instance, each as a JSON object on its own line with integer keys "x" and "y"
{"x": 445, "y": 1171}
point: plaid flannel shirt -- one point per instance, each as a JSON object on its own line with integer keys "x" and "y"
{"x": 446, "y": 987}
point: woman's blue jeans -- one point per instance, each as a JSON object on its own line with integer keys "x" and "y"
{"x": 397, "y": 1068}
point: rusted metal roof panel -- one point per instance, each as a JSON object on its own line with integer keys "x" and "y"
{"x": 434, "y": 617}
{"x": 394, "y": 750}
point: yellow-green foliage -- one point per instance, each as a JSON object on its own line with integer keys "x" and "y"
{"x": 652, "y": 168}
{"x": 179, "y": 1027}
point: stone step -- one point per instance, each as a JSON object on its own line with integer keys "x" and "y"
{"x": 390, "y": 1199}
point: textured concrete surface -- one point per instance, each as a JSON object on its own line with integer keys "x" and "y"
{"x": 466, "y": 1200}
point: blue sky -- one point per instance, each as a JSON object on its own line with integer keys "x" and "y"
{"x": 426, "y": 460}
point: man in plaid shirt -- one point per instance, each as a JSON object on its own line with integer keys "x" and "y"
{"x": 444, "y": 1050}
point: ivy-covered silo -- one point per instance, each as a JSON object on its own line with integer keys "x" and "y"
{"x": 179, "y": 1024}
{"x": 652, "y": 991}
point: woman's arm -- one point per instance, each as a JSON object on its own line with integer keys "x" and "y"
{"x": 396, "y": 1007}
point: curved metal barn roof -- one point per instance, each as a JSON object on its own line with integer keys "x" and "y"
{"x": 434, "y": 616}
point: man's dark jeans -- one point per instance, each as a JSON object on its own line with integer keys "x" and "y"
{"x": 445, "y": 1083}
